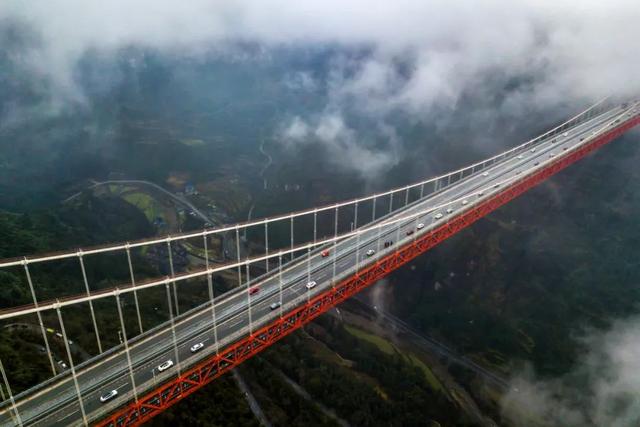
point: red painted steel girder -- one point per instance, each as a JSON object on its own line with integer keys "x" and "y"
{"x": 193, "y": 379}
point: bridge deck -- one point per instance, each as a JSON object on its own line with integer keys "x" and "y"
{"x": 338, "y": 277}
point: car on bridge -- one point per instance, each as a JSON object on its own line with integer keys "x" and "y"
{"x": 312, "y": 284}
{"x": 370, "y": 252}
{"x": 165, "y": 365}
{"x": 254, "y": 290}
{"x": 388, "y": 243}
{"x": 274, "y": 305}
{"x": 409, "y": 232}
{"x": 196, "y": 347}
{"x": 108, "y": 396}
{"x": 438, "y": 215}
{"x": 420, "y": 226}
{"x": 325, "y": 253}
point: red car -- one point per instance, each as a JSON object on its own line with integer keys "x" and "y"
{"x": 254, "y": 290}
{"x": 325, "y": 253}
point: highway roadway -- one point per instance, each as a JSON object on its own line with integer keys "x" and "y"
{"x": 57, "y": 402}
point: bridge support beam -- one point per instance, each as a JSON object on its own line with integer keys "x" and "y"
{"x": 196, "y": 377}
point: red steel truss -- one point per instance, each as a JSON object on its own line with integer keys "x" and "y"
{"x": 178, "y": 388}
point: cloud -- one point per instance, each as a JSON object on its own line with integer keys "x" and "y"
{"x": 582, "y": 48}
{"x": 296, "y": 131}
{"x": 341, "y": 143}
{"x": 602, "y": 390}
{"x": 403, "y": 58}
{"x": 301, "y": 81}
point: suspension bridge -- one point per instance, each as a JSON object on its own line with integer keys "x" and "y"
{"x": 331, "y": 253}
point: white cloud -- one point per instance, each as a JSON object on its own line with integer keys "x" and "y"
{"x": 341, "y": 143}
{"x": 301, "y": 81}
{"x": 296, "y": 131}
{"x": 406, "y": 56}
{"x": 583, "y": 48}
{"x": 602, "y": 390}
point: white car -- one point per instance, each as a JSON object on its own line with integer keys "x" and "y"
{"x": 533, "y": 150}
{"x": 565, "y": 134}
{"x": 480, "y": 193}
{"x": 420, "y": 226}
{"x": 552, "y": 154}
{"x": 370, "y": 252}
{"x": 274, "y": 305}
{"x": 438, "y": 215}
{"x": 449, "y": 210}
{"x": 485, "y": 173}
{"x": 464, "y": 202}
{"x": 108, "y": 396}
{"x": 312, "y": 284}
{"x": 165, "y": 365}
{"x": 496, "y": 186}
{"x": 520, "y": 157}
{"x": 196, "y": 347}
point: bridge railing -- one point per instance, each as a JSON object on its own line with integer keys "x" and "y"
{"x": 437, "y": 183}
{"x": 300, "y": 249}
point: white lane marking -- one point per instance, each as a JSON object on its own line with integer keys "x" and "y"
{"x": 235, "y": 321}
{"x": 67, "y": 415}
{"x": 294, "y": 290}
